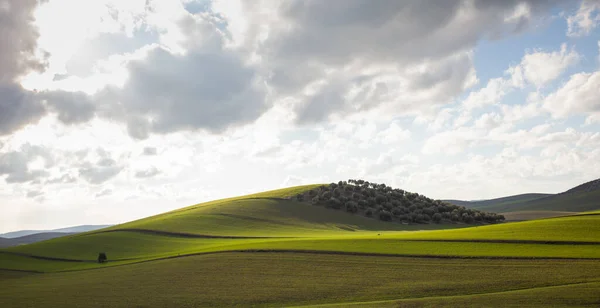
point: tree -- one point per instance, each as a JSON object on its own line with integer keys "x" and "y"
{"x": 351, "y": 207}
{"x": 335, "y": 203}
{"x": 437, "y": 218}
{"x": 467, "y": 218}
{"x": 102, "y": 257}
{"x": 385, "y": 215}
{"x": 369, "y": 212}
{"x": 315, "y": 200}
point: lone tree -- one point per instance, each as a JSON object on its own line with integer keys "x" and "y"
{"x": 101, "y": 257}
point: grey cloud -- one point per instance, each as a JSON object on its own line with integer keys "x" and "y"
{"x": 196, "y": 91}
{"x": 338, "y": 30}
{"x": 104, "y": 45}
{"x": 209, "y": 88}
{"x": 34, "y": 194}
{"x": 104, "y": 192}
{"x": 150, "y": 151}
{"x": 148, "y": 173}
{"x": 14, "y": 164}
{"x": 103, "y": 170}
{"x": 71, "y": 107}
{"x": 18, "y": 39}
{"x": 18, "y": 107}
{"x": 98, "y": 174}
{"x": 313, "y": 36}
{"x": 63, "y": 179}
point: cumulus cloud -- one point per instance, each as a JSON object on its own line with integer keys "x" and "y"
{"x": 539, "y": 68}
{"x": 16, "y": 164}
{"x": 71, "y": 107}
{"x": 579, "y": 95}
{"x": 208, "y": 88}
{"x": 17, "y": 57}
{"x": 103, "y": 169}
{"x": 331, "y": 38}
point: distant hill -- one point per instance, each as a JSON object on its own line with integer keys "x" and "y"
{"x": 75, "y": 229}
{"x": 584, "y": 197}
{"x": 484, "y": 204}
{"x": 31, "y": 238}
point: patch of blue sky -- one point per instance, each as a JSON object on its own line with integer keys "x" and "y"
{"x": 493, "y": 57}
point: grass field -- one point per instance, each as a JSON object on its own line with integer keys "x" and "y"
{"x": 265, "y": 250}
{"x": 284, "y": 279}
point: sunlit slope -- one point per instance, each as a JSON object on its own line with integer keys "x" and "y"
{"x": 574, "y": 236}
{"x": 253, "y": 216}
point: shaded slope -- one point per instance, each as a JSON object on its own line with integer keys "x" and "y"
{"x": 75, "y": 229}
{"x": 503, "y": 201}
{"x": 584, "y": 197}
{"x": 32, "y": 238}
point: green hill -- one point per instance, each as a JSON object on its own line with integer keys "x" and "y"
{"x": 491, "y": 203}
{"x": 584, "y": 197}
{"x": 269, "y": 249}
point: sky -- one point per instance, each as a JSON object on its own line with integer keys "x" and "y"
{"x": 114, "y": 110}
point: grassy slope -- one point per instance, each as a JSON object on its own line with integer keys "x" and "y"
{"x": 130, "y": 247}
{"x": 485, "y": 204}
{"x": 298, "y": 278}
{"x": 282, "y": 279}
{"x": 572, "y": 202}
{"x": 531, "y": 215}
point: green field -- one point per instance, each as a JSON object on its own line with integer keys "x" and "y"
{"x": 266, "y": 250}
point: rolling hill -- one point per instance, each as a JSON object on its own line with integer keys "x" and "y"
{"x": 584, "y": 197}
{"x": 68, "y": 230}
{"x": 270, "y": 250}
{"x": 32, "y": 238}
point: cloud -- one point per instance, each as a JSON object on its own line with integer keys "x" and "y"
{"x": 149, "y": 151}
{"x": 585, "y": 19}
{"x": 339, "y": 58}
{"x": 104, "y": 192}
{"x": 71, "y": 107}
{"x": 579, "y": 95}
{"x": 18, "y": 107}
{"x": 15, "y": 164}
{"x": 17, "y": 57}
{"x": 147, "y": 173}
{"x": 100, "y": 172}
{"x": 207, "y": 88}
{"x": 539, "y": 67}
{"x": 34, "y": 194}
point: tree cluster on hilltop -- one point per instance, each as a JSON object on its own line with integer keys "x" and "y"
{"x": 392, "y": 204}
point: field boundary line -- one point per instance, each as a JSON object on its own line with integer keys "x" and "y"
{"x": 400, "y": 300}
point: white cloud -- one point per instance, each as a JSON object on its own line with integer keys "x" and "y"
{"x": 491, "y": 94}
{"x": 539, "y": 67}
{"x": 585, "y": 20}
{"x": 579, "y": 95}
